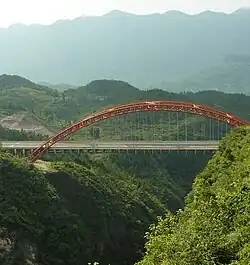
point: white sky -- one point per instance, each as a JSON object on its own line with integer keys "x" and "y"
{"x": 48, "y": 11}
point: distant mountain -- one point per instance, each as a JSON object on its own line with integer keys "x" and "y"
{"x": 15, "y": 81}
{"x": 141, "y": 50}
{"x": 9, "y": 82}
{"x": 117, "y": 13}
{"x": 47, "y": 111}
{"x": 232, "y": 76}
{"x": 59, "y": 87}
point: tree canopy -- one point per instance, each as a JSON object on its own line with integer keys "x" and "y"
{"x": 214, "y": 227}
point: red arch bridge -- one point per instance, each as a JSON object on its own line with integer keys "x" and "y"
{"x": 178, "y": 129}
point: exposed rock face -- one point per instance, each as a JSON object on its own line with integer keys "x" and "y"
{"x": 20, "y": 121}
{"x": 15, "y": 249}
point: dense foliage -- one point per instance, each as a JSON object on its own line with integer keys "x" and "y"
{"x": 214, "y": 227}
{"x": 86, "y": 209}
{"x": 171, "y": 174}
{"x": 14, "y": 135}
{"x": 73, "y": 213}
{"x": 54, "y": 111}
{"x": 100, "y": 94}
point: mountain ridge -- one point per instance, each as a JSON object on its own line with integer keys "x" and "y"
{"x": 141, "y": 50}
{"x": 117, "y": 12}
{"x": 16, "y": 81}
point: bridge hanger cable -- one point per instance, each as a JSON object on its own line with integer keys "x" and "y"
{"x": 171, "y": 106}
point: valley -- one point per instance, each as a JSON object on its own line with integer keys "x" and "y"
{"x": 124, "y": 132}
{"x": 75, "y": 208}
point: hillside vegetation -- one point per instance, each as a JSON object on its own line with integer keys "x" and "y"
{"x": 142, "y": 50}
{"x": 13, "y": 135}
{"x": 74, "y": 103}
{"x": 98, "y": 207}
{"x": 46, "y": 111}
{"x": 73, "y": 213}
{"x": 98, "y": 210}
{"x": 214, "y": 227}
{"x": 18, "y": 93}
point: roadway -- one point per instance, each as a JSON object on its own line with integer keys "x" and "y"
{"x": 116, "y": 145}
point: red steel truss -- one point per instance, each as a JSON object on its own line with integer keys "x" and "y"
{"x": 173, "y": 106}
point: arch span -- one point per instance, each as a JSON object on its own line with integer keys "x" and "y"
{"x": 164, "y": 105}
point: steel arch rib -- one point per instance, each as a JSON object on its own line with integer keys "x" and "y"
{"x": 141, "y": 106}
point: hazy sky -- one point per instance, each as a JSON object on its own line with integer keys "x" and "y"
{"x": 48, "y": 11}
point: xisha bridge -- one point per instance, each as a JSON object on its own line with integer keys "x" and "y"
{"x": 144, "y": 125}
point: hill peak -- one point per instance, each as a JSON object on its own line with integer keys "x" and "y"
{"x": 117, "y": 13}
{"x": 175, "y": 13}
{"x": 109, "y": 82}
{"x": 16, "y": 81}
{"x": 242, "y": 11}
{"x": 107, "y": 87}
{"x": 13, "y": 79}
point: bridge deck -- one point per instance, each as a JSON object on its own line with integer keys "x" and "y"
{"x": 119, "y": 145}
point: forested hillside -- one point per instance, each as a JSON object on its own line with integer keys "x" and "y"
{"x": 54, "y": 110}
{"x": 73, "y": 213}
{"x": 142, "y": 50}
{"x": 28, "y": 107}
{"x": 214, "y": 227}
{"x": 75, "y": 209}
{"x": 98, "y": 210}
{"x": 134, "y": 206}
{"x": 13, "y": 135}
{"x": 86, "y": 209}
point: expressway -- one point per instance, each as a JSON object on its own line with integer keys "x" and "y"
{"x": 115, "y": 145}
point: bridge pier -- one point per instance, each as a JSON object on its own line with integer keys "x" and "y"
{"x": 19, "y": 152}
